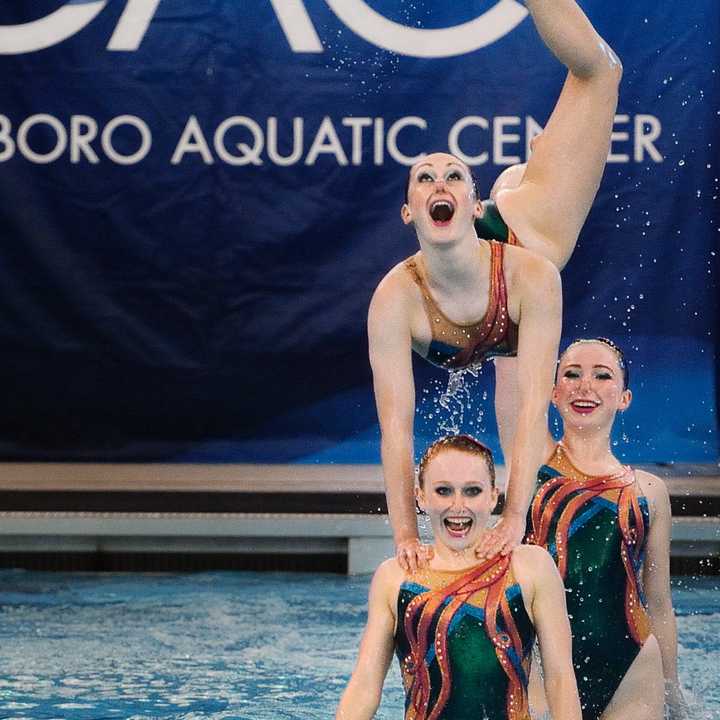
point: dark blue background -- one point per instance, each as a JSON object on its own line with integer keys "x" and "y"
{"x": 217, "y": 313}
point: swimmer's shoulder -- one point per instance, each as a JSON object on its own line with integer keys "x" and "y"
{"x": 527, "y": 558}
{"x": 527, "y": 270}
{"x": 390, "y": 569}
{"x": 387, "y": 580}
{"x": 517, "y": 257}
{"x": 650, "y": 481}
{"x": 529, "y": 277}
{"x": 397, "y": 292}
{"x": 400, "y": 276}
{"x": 533, "y": 567}
{"x": 656, "y": 492}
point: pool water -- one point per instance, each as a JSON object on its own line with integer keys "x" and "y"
{"x": 255, "y": 646}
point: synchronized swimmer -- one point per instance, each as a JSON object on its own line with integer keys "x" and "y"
{"x": 459, "y": 301}
{"x": 608, "y": 528}
{"x": 603, "y": 618}
{"x": 463, "y": 613}
{"x": 463, "y": 632}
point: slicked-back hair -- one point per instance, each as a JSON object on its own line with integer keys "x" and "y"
{"x": 462, "y": 443}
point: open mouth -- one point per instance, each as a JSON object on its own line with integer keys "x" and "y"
{"x": 441, "y": 212}
{"x": 458, "y": 527}
{"x": 584, "y": 407}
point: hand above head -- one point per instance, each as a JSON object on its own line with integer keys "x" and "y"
{"x": 412, "y": 555}
{"x": 503, "y": 538}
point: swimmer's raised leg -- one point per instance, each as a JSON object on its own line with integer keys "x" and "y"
{"x": 545, "y": 202}
{"x": 548, "y": 207}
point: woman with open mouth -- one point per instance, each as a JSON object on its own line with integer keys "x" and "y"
{"x": 463, "y": 630}
{"x": 608, "y": 528}
{"x": 461, "y": 300}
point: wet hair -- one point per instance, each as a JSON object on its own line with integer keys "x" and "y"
{"x": 473, "y": 180}
{"x": 463, "y": 443}
{"x": 619, "y": 354}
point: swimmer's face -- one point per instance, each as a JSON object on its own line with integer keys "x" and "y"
{"x": 441, "y": 201}
{"x": 458, "y": 497}
{"x": 589, "y": 388}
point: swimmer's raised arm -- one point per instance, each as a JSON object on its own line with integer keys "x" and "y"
{"x": 539, "y": 289}
{"x": 362, "y": 695}
{"x": 390, "y": 346}
{"x": 548, "y": 209}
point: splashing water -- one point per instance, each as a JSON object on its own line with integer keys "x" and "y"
{"x": 456, "y": 402}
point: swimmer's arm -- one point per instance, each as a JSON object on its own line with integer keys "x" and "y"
{"x": 553, "y": 631}
{"x": 656, "y": 583}
{"x": 507, "y": 408}
{"x": 539, "y": 336}
{"x": 549, "y": 208}
{"x": 363, "y": 693}
{"x": 390, "y": 345}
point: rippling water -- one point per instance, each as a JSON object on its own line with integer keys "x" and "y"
{"x": 255, "y": 646}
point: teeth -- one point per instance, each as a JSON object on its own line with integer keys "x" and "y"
{"x": 584, "y": 403}
{"x": 458, "y": 524}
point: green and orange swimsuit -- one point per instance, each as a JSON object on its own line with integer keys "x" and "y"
{"x": 595, "y": 527}
{"x": 464, "y": 644}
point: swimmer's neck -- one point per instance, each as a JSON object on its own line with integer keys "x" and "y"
{"x": 457, "y": 264}
{"x": 446, "y": 558}
{"x": 590, "y": 452}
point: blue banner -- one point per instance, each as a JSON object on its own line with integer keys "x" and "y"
{"x": 199, "y": 198}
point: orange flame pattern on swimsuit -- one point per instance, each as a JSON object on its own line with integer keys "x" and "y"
{"x": 545, "y": 507}
{"x": 489, "y": 576}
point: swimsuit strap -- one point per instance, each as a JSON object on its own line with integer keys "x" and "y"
{"x": 431, "y": 307}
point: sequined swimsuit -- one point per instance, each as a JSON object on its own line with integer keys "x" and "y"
{"x": 455, "y": 664}
{"x": 455, "y": 346}
{"x": 595, "y": 528}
